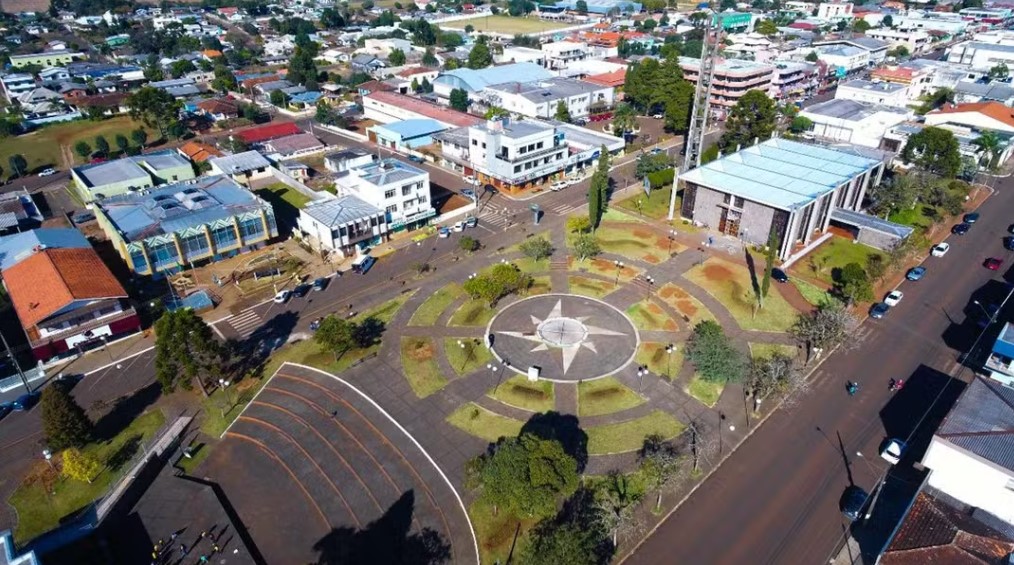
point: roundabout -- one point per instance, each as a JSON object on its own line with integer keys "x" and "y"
{"x": 568, "y": 338}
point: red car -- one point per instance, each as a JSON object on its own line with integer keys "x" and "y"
{"x": 993, "y": 264}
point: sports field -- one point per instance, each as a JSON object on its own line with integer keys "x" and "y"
{"x": 507, "y": 24}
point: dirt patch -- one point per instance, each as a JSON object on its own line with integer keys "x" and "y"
{"x": 641, "y": 233}
{"x": 419, "y": 350}
{"x": 653, "y": 259}
{"x": 657, "y": 356}
{"x": 716, "y": 273}
{"x": 529, "y": 393}
{"x": 655, "y": 309}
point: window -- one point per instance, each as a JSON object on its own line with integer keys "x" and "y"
{"x": 517, "y": 168}
{"x": 422, "y": 200}
{"x": 406, "y": 190}
{"x": 1010, "y": 484}
{"x": 164, "y": 255}
{"x": 251, "y": 228}
{"x": 538, "y": 145}
{"x": 388, "y": 194}
{"x": 392, "y": 209}
{"x": 138, "y": 262}
{"x": 475, "y": 142}
{"x": 224, "y": 237}
{"x": 483, "y": 144}
{"x": 738, "y": 202}
{"x": 194, "y": 246}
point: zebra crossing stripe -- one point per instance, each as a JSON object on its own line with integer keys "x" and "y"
{"x": 245, "y": 322}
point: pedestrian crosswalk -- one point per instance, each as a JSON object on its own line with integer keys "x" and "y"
{"x": 245, "y": 323}
{"x": 564, "y": 209}
{"x": 494, "y": 216}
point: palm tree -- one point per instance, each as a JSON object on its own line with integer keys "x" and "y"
{"x": 989, "y": 144}
{"x": 624, "y": 119}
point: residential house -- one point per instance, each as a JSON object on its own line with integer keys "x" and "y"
{"x": 968, "y": 91}
{"x": 43, "y": 106}
{"x": 292, "y": 146}
{"x": 346, "y": 225}
{"x": 401, "y": 190}
{"x": 387, "y": 107}
{"x": 15, "y": 84}
{"x": 562, "y": 54}
{"x": 992, "y": 116}
{"x": 540, "y": 99}
{"x": 341, "y": 161}
{"x": 257, "y": 135}
{"x": 18, "y": 212}
{"x": 245, "y": 168}
{"x": 198, "y": 152}
{"x": 218, "y": 109}
{"x": 406, "y": 134}
{"x": 366, "y": 63}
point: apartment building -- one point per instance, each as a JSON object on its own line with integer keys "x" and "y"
{"x": 399, "y": 189}
{"x": 733, "y": 78}
{"x": 540, "y": 99}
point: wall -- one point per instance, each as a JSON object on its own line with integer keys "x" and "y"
{"x": 970, "y": 479}
{"x": 706, "y": 207}
{"x": 756, "y": 222}
{"x": 877, "y": 239}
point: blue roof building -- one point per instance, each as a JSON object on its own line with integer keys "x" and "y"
{"x": 779, "y": 186}
{"x": 205, "y": 220}
{"x": 1000, "y": 363}
{"x": 471, "y": 80}
{"x": 406, "y": 134}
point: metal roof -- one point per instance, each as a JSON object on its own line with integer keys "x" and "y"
{"x": 476, "y": 80}
{"x": 335, "y": 212}
{"x": 386, "y": 171}
{"x": 293, "y": 143}
{"x": 867, "y": 221}
{"x": 517, "y": 129}
{"x": 879, "y": 86}
{"x": 110, "y": 172}
{"x": 850, "y": 110}
{"x": 780, "y": 173}
{"x": 409, "y": 129}
{"x": 240, "y": 162}
{"x": 549, "y": 90}
{"x": 982, "y": 422}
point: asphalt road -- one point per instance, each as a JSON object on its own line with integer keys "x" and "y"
{"x": 776, "y": 499}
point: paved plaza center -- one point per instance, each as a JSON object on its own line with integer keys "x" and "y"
{"x": 567, "y": 337}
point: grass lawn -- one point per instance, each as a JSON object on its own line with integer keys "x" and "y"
{"x": 605, "y": 268}
{"x": 766, "y": 350}
{"x": 41, "y": 148}
{"x": 540, "y": 285}
{"x": 833, "y": 254}
{"x": 472, "y": 313}
{"x": 477, "y": 421}
{"x": 39, "y": 511}
{"x": 199, "y": 452}
{"x": 430, "y": 310}
{"x": 507, "y": 24}
{"x": 285, "y": 201}
{"x": 222, "y": 407}
{"x": 605, "y": 396}
{"x": 516, "y": 248}
{"x": 812, "y": 293}
{"x": 691, "y": 308}
{"x": 420, "y": 366}
{"x": 590, "y": 287}
{"x": 519, "y": 392}
{"x": 655, "y": 206}
{"x": 730, "y": 284}
{"x": 464, "y": 360}
{"x": 635, "y": 241}
{"x": 629, "y": 435}
{"x": 496, "y": 532}
{"x": 653, "y": 355}
{"x": 707, "y": 392}
{"x": 529, "y": 265}
{"x": 649, "y": 316}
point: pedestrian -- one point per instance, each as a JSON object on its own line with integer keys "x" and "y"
{"x": 204, "y": 559}
{"x": 852, "y": 388}
{"x": 173, "y": 537}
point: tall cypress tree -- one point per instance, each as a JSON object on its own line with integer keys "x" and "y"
{"x": 63, "y": 421}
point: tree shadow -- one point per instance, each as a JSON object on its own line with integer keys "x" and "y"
{"x": 251, "y": 354}
{"x": 386, "y": 540}
{"x": 125, "y": 453}
{"x": 563, "y": 428}
{"x": 369, "y": 331}
{"x": 750, "y": 266}
{"x": 125, "y": 410}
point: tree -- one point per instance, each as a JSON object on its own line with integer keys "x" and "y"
{"x": 181, "y": 67}
{"x": 648, "y": 163}
{"x": 496, "y": 112}
{"x": 154, "y": 107}
{"x": 586, "y": 246}
{"x": 429, "y": 59}
{"x": 876, "y": 266}
{"x": 468, "y": 243}
{"x": 581, "y": 6}
{"x": 769, "y": 263}
{"x": 78, "y": 466}
{"x": 615, "y": 502}
{"x": 768, "y": 375}
{"x": 853, "y": 284}
{"x": 828, "y": 325}
{"x": 713, "y": 355}
{"x": 336, "y": 335}
{"x": 459, "y": 100}
{"x": 277, "y": 98}
{"x": 101, "y": 145}
{"x": 812, "y": 57}
{"x": 800, "y": 124}
{"x": 710, "y": 154}
{"x": 186, "y": 351}
{"x": 934, "y": 150}
{"x": 536, "y": 248}
{"x": 578, "y": 224}
{"x": 766, "y": 27}
{"x": 524, "y": 476}
{"x": 989, "y": 145}
{"x": 576, "y": 537}
{"x": 480, "y": 57}
{"x": 18, "y": 164}
{"x": 83, "y": 149}
{"x": 888, "y": 21}
{"x": 999, "y": 71}
{"x": 896, "y": 193}
{"x": 562, "y": 112}
{"x": 752, "y": 118}
{"x": 63, "y": 421}
{"x": 498, "y": 282}
{"x": 899, "y": 52}
{"x": 122, "y": 143}
{"x": 624, "y": 118}
{"x": 660, "y": 463}
{"x": 396, "y": 58}
{"x": 224, "y": 80}
{"x": 140, "y": 137}
{"x": 861, "y": 26}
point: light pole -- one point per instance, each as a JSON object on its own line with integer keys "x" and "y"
{"x": 651, "y": 283}
{"x": 470, "y": 346}
{"x": 669, "y": 349}
{"x": 48, "y": 456}
{"x": 989, "y": 316}
{"x": 492, "y": 374}
{"x": 641, "y": 371}
{"x": 225, "y": 387}
{"x": 619, "y": 267}
{"x": 672, "y": 236}
{"x": 879, "y": 487}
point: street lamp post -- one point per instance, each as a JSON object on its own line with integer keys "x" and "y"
{"x": 641, "y": 371}
{"x": 48, "y": 456}
{"x": 651, "y": 283}
{"x": 470, "y": 347}
{"x": 492, "y": 374}
{"x": 619, "y": 267}
{"x": 669, "y": 349}
{"x": 672, "y": 236}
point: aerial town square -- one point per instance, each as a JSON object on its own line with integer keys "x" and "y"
{"x": 567, "y": 282}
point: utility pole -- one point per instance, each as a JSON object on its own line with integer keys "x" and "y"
{"x": 17, "y": 366}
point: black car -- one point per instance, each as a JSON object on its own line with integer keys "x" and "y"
{"x": 961, "y": 229}
{"x": 25, "y": 401}
{"x": 320, "y": 284}
{"x": 301, "y": 290}
{"x": 779, "y": 275}
{"x": 5, "y": 409}
{"x": 971, "y": 218}
{"x": 853, "y": 501}
{"x": 878, "y": 310}
{"x": 1008, "y": 243}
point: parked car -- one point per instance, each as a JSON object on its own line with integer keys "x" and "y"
{"x": 443, "y": 232}
{"x": 779, "y": 275}
{"x": 468, "y": 193}
{"x": 940, "y": 249}
{"x": 416, "y": 159}
{"x": 893, "y": 297}
{"x": 1008, "y": 243}
{"x": 971, "y": 218}
{"x": 47, "y": 172}
{"x": 458, "y": 226}
{"x": 320, "y": 284}
{"x": 5, "y": 409}
{"x": 1010, "y": 229}
{"x": 961, "y": 229}
{"x": 852, "y": 502}
{"x": 892, "y": 450}
{"x": 558, "y": 185}
{"x": 82, "y": 217}
{"x": 25, "y": 401}
{"x": 283, "y": 296}
{"x": 471, "y": 221}
{"x": 915, "y": 273}
{"x": 993, "y": 263}
{"x": 657, "y": 116}
{"x": 879, "y": 310}
{"x": 301, "y": 290}
{"x": 363, "y": 264}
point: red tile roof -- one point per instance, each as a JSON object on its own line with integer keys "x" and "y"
{"x": 412, "y": 71}
{"x": 216, "y": 106}
{"x": 614, "y": 79}
{"x": 421, "y": 107}
{"x": 995, "y": 110}
{"x": 49, "y": 280}
{"x": 199, "y": 152}
{"x": 269, "y": 132}
{"x": 107, "y": 100}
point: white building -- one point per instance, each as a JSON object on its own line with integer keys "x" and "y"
{"x": 969, "y": 455}
{"x": 344, "y": 225}
{"x": 853, "y": 122}
{"x": 15, "y": 84}
{"x": 513, "y": 54}
{"x": 399, "y": 189}
{"x": 979, "y": 116}
{"x": 949, "y": 23}
{"x": 874, "y": 92}
{"x": 845, "y": 57}
{"x": 560, "y": 54}
{"x": 916, "y": 41}
{"x": 981, "y": 56}
{"x": 540, "y": 99}
{"x": 834, "y": 11}
{"x": 341, "y": 161}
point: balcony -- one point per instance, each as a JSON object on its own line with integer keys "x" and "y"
{"x": 521, "y": 157}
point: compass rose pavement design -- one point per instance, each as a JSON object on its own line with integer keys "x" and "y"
{"x": 568, "y": 337}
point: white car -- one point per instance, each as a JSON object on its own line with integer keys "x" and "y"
{"x": 458, "y": 226}
{"x": 893, "y": 297}
{"x": 47, "y": 172}
{"x": 893, "y": 450}
{"x": 657, "y": 116}
{"x": 940, "y": 249}
{"x": 559, "y": 185}
{"x": 282, "y": 296}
